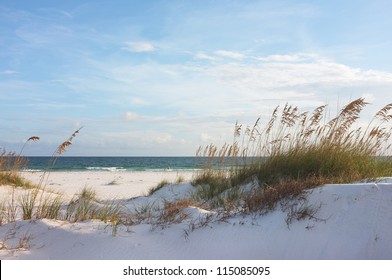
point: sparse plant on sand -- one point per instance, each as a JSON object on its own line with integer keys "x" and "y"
{"x": 88, "y": 193}
{"x": 144, "y": 212}
{"x": 180, "y": 179}
{"x": 172, "y": 212}
{"x": 27, "y": 203}
{"x": 49, "y": 207}
{"x": 3, "y": 213}
{"x": 160, "y": 185}
{"x": 8, "y": 240}
{"x": 10, "y": 166}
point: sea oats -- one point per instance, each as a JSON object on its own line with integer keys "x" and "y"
{"x": 62, "y": 148}
{"x": 383, "y": 113}
{"x": 33, "y": 138}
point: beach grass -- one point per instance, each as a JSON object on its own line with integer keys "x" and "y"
{"x": 172, "y": 212}
{"x": 159, "y": 186}
{"x": 11, "y": 163}
{"x": 296, "y": 151}
{"x": 164, "y": 182}
{"x": 10, "y": 166}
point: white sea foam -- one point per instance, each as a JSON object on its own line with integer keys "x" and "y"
{"x": 111, "y": 169}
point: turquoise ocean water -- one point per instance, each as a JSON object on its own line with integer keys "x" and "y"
{"x": 113, "y": 163}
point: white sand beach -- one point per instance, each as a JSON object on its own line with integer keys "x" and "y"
{"x": 108, "y": 185}
{"x": 352, "y": 222}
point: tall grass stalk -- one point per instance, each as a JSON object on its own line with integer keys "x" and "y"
{"x": 49, "y": 207}
{"x": 55, "y": 155}
{"x": 3, "y": 213}
{"x": 27, "y": 203}
{"x": 44, "y": 204}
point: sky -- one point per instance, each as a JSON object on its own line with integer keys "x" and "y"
{"x": 161, "y": 78}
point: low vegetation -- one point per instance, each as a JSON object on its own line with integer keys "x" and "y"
{"x": 297, "y": 151}
{"x": 180, "y": 179}
{"x": 160, "y": 185}
{"x": 10, "y": 166}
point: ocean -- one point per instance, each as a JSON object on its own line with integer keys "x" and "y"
{"x": 113, "y": 164}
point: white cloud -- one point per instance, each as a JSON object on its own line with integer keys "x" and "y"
{"x": 138, "y": 101}
{"x": 201, "y": 55}
{"x": 9, "y": 72}
{"x": 317, "y": 72}
{"x": 281, "y": 58}
{"x": 230, "y": 54}
{"x": 232, "y": 90}
{"x": 162, "y": 138}
{"x": 206, "y": 138}
{"x": 139, "y": 47}
{"x": 130, "y": 116}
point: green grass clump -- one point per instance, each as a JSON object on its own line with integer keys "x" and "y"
{"x": 14, "y": 179}
{"x": 299, "y": 149}
{"x": 88, "y": 193}
{"x": 49, "y": 207}
{"x": 10, "y": 166}
{"x": 180, "y": 179}
{"x": 160, "y": 185}
{"x": 27, "y": 202}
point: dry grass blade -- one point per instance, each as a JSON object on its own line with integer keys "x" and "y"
{"x": 237, "y": 129}
{"x": 354, "y": 107}
{"x": 317, "y": 115}
{"x": 272, "y": 120}
{"x": 383, "y": 113}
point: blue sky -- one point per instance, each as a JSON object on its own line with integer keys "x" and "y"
{"x": 164, "y": 77}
